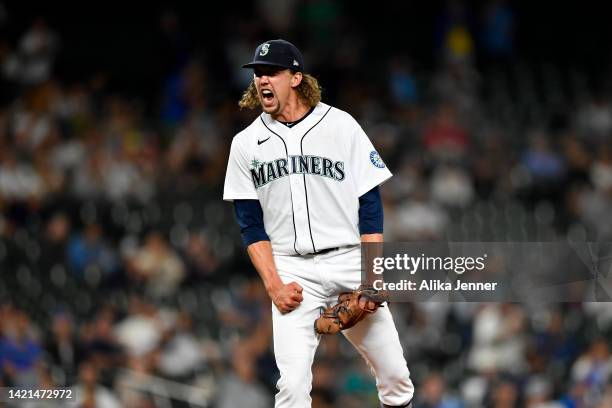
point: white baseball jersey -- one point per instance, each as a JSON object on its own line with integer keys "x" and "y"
{"x": 308, "y": 178}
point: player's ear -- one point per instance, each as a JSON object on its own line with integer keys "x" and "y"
{"x": 296, "y": 79}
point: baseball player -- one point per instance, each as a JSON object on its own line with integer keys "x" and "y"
{"x": 304, "y": 181}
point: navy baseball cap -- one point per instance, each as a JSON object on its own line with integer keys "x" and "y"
{"x": 278, "y": 53}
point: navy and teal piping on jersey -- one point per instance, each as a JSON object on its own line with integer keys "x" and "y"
{"x": 250, "y": 217}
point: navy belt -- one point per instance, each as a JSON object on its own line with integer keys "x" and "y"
{"x": 324, "y": 251}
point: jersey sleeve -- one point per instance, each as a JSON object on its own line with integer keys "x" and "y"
{"x": 371, "y": 214}
{"x": 367, "y": 166}
{"x": 238, "y": 183}
{"x": 249, "y": 215}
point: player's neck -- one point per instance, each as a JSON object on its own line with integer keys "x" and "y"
{"x": 293, "y": 111}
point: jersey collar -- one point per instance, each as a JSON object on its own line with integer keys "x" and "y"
{"x": 299, "y": 128}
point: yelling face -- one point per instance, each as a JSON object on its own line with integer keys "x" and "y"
{"x": 274, "y": 86}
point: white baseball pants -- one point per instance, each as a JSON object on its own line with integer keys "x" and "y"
{"x": 322, "y": 278}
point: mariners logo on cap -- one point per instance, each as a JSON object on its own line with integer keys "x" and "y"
{"x": 264, "y": 49}
{"x": 376, "y": 160}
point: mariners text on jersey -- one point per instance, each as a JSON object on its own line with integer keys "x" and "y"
{"x": 263, "y": 173}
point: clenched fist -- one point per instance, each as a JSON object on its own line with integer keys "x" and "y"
{"x": 287, "y": 297}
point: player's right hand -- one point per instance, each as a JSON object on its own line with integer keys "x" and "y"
{"x": 288, "y": 297}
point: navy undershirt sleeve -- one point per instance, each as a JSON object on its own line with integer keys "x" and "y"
{"x": 371, "y": 216}
{"x": 250, "y": 219}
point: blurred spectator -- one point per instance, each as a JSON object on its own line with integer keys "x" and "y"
{"x": 456, "y": 84}
{"x": 594, "y": 120}
{"x": 46, "y": 382}
{"x": 141, "y": 331}
{"x": 444, "y": 137}
{"x": 593, "y": 207}
{"x": 499, "y": 341}
{"x": 324, "y": 387}
{"x": 157, "y": 266}
{"x": 410, "y": 179}
{"x": 601, "y": 314}
{"x": 575, "y": 396}
{"x": 33, "y": 62}
{"x": 53, "y": 243}
{"x": 434, "y": 395}
{"x": 68, "y": 153}
{"x": 490, "y": 166}
{"x": 240, "y": 387}
{"x": 498, "y": 29}
{"x": 90, "y": 257}
{"x": 578, "y": 159}
{"x": 196, "y": 147}
{"x": 184, "y": 92}
{"x": 594, "y": 368}
{"x": 99, "y": 342}
{"x": 89, "y": 393}
{"x": 33, "y": 125}
{"x": 200, "y": 260}
{"x": 416, "y": 219}
{"x": 421, "y": 331}
{"x": 248, "y": 306}
{"x": 454, "y": 31}
{"x": 606, "y": 401}
{"x": 544, "y": 164}
{"x": 20, "y": 351}
{"x": 538, "y": 393}
{"x": 87, "y": 183}
{"x": 181, "y": 355}
{"x": 451, "y": 187}
{"x": 593, "y": 204}
{"x": 601, "y": 170}
{"x": 555, "y": 344}
{"x": 545, "y": 171}
{"x": 131, "y": 384}
{"x": 19, "y": 180}
{"x": 123, "y": 178}
{"x": 63, "y": 348}
{"x": 402, "y": 83}
{"x": 386, "y": 137}
{"x": 504, "y": 394}
{"x": 357, "y": 382}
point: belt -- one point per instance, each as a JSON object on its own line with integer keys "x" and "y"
{"x": 324, "y": 251}
{"x": 327, "y": 250}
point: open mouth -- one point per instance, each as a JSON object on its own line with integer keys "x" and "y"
{"x": 267, "y": 95}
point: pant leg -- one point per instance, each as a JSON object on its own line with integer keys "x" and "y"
{"x": 377, "y": 340}
{"x": 375, "y": 337}
{"x": 295, "y": 341}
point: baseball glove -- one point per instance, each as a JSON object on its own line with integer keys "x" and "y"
{"x": 347, "y": 312}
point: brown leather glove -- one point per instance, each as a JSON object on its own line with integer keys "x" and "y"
{"x": 348, "y": 311}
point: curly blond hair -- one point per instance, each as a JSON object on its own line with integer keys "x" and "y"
{"x": 309, "y": 92}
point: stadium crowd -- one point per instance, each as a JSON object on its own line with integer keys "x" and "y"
{"x": 123, "y": 274}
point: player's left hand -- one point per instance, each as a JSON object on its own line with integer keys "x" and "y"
{"x": 352, "y": 307}
{"x": 368, "y": 306}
